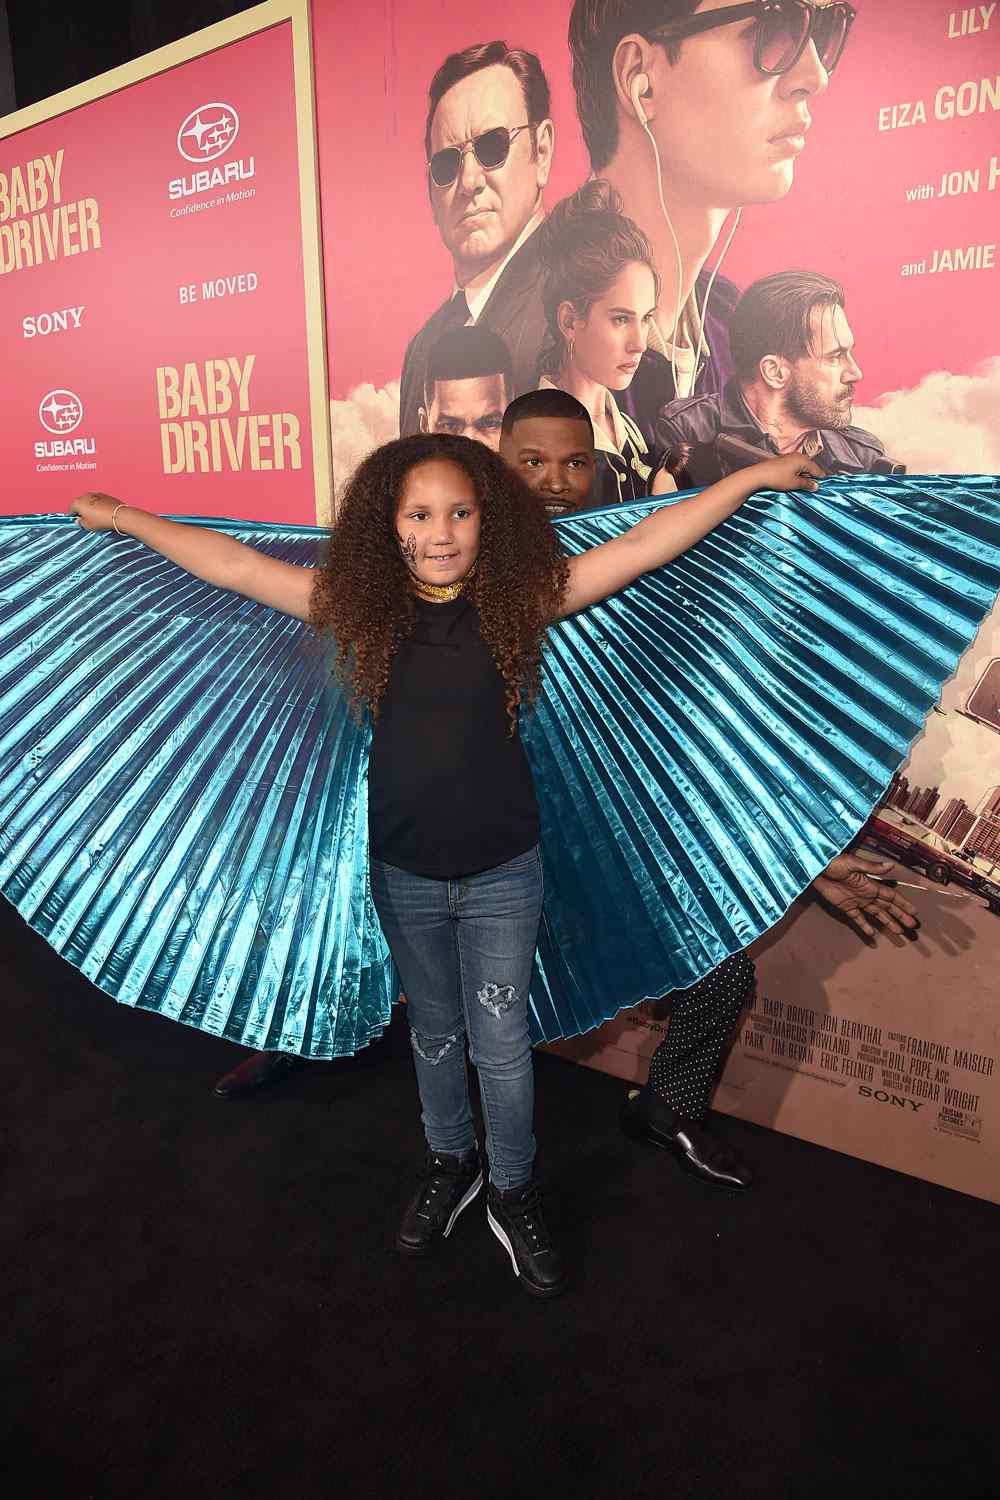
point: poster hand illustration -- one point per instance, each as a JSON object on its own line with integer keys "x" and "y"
{"x": 853, "y": 885}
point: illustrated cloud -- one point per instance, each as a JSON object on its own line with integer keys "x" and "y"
{"x": 948, "y": 424}
{"x": 363, "y": 421}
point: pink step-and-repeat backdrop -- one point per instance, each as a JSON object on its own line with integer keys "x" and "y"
{"x": 892, "y": 189}
{"x": 155, "y": 305}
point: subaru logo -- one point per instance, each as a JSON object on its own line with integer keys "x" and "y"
{"x": 60, "y": 412}
{"x": 208, "y": 132}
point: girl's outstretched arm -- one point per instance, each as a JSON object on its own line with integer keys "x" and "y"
{"x": 207, "y": 554}
{"x": 659, "y": 538}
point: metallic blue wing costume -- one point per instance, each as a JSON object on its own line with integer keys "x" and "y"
{"x": 183, "y": 791}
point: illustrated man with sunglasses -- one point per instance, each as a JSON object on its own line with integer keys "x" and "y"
{"x": 488, "y": 143}
{"x": 691, "y": 111}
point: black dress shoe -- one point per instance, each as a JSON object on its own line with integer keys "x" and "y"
{"x": 515, "y": 1217}
{"x": 447, "y": 1185}
{"x": 646, "y": 1118}
{"x": 255, "y": 1072}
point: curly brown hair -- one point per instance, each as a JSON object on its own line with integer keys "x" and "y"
{"x": 362, "y": 594}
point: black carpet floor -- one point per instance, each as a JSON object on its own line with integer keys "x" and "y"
{"x": 202, "y": 1297}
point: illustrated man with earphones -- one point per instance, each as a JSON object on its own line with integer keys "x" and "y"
{"x": 691, "y": 111}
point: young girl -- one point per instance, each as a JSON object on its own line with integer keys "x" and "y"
{"x": 600, "y": 292}
{"x": 441, "y": 576}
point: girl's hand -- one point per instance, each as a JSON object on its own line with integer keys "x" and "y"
{"x": 93, "y": 512}
{"x": 791, "y": 471}
{"x": 210, "y": 555}
{"x": 671, "y": 530}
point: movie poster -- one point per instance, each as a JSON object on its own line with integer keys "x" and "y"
{"x": 890, "y": 1053}
{"x": 879, "y": 174}
{"x": 729, "y": 231}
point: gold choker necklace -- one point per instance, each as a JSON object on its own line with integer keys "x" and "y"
{"x": 440, "y": 593}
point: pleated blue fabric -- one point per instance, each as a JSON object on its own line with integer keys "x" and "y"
{"x": 183, "y": 792}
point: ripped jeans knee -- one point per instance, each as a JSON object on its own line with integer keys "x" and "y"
{"x": 496, "y": 998}
{"x": 434, "y": 1049}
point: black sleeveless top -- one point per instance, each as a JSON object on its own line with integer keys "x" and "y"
{"x": 449, "y": 790}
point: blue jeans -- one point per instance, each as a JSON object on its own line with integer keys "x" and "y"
{"x": 464, "y": 951}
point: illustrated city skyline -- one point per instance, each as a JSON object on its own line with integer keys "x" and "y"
{"x": 974, "y": 830}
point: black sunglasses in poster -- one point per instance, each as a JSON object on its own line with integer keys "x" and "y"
{"x": 491, "y": 150}
{"x": 782, "y": 31}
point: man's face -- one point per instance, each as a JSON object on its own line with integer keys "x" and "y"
{"x": 555, "y": 458}
{"x": 471, "y": 408}
{"x": 728, "y": 135}
{"x": 820, "y": 391}
{"x": 482, "y": 213}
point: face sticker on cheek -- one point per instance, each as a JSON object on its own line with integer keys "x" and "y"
{"x": 409, "y": 550}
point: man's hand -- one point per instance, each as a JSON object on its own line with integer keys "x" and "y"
{"x": 851, "y": 884}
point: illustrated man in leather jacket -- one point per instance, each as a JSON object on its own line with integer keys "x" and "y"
{"x": 793, "y": 390}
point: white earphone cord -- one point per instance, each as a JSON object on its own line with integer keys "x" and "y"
{"x": 700, "y": 313}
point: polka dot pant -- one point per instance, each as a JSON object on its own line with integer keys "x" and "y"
{"x": 684, "y": 1068}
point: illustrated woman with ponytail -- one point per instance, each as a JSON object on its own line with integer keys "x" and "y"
{"x": 600, "y": 291}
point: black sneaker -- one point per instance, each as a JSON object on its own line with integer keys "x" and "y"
{"x": 447, "y": 1185}
{"x": 515, "y": 1217}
